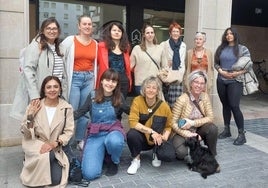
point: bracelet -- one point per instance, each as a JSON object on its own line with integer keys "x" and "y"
{"x": 59, "y": 143}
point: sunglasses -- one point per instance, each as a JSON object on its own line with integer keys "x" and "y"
{"x": 203, "y": 33}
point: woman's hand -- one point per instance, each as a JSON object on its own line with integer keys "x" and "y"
{"x": 34, "y": 107}
{"x": 189, "y": 123}
{"x": 47, "y": 147}
{"x": 226, "y": 74}
{"x": 157, "y": 138}
{"x": 237, "y": 73}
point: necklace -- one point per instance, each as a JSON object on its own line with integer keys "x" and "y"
{"x": 199, "y": 55}
{"x": 150, "y": 109}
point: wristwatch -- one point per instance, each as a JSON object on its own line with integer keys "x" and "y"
{"x": 152, "y": 132}
{"x": 28, "y": 122}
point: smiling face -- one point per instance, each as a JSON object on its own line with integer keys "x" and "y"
{"x": 52, "y": 89}
{"x": 175, "y": 34}
{"x": 197, "y": 86}
{"x": 85, "y": 26}
{"x": 51, "y": 32}
{"x": 116, "y": 33}
{"x": 199, "y": 40}
{"x": 151, "y": 90}
{"x": 229, "y": 36}
{"x": 109, "y": 86}
{"x": 149, "y": 34}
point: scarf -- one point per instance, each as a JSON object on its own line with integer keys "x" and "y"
{"x": 175, "y": 46}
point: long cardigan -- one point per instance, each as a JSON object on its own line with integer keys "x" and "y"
{"x": 36, "y": 168}
{"x": 68, "y": 45}
{"x": 182, "y": 109}
{"x": 38, "y": 64}
{"x": 210, "y": 71}
{"x": 103, "y": 64}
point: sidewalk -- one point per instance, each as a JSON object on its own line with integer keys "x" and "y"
{"x": 241, "y": 166}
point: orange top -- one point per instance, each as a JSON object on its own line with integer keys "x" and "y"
{"x": 199, "y": 63}
{"x": 84, "y": 56}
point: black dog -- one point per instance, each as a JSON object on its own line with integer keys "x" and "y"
{"x": 202, "y": 159}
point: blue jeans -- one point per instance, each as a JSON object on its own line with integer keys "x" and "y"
{"x": 94, "y": 152}
{"x": 82, "y": 85}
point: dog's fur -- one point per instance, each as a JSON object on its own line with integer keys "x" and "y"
{"x": 202, "y": 160}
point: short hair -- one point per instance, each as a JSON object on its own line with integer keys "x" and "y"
{"x": 196, "y": 74}
{"x": 149, "y": 80}
{"x": 201, "y": 34}
{"x": 175, "y": 25}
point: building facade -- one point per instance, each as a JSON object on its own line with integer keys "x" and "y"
{"x": 20, "y": 21}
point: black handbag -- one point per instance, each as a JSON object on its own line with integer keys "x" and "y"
{"x": 166, "y": 151}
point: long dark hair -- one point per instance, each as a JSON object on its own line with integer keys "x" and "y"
{"x": 43, "y": 39}
{"x": 109, "y": 74}
{"x": 225, "y": 43}
{"x": 107, "y": 38}
{"x": 45, "y": 81}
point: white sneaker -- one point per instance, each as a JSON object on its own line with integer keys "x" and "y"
{"x": 155, "y": 161}
{"x": 135, "y": 165}
{"x": 80, "y": 145}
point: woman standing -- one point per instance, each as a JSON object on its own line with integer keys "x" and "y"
{"x": 175, "y": 50}
{"x": 229, "y": 87}
{"x": 147, "y": 58}
{"x": 148, "y": 131}
{"x": 113, "y": 52}
{"x": 195, "y": 108}
{"x": 200, "y": 58}
{"x": 47, "y": 125}
{"x": 42, "y": 57}
{"x": 105, "y": 131}
{"x": 81, "y": 55}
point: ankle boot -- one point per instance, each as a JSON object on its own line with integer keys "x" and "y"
{"x": 241, "y": 139}
{"x": 225, "y": 133}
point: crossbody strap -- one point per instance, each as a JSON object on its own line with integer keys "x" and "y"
{"x": 152, "y": 60}
{"x": 196, "y": 104}
{"x": 153, "y": 110}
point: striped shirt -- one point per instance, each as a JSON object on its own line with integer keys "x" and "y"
{"x": 58, "y": 64}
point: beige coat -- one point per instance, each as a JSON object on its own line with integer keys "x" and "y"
{"x": 36, "y": 168}
{"x": 210, "y": 71}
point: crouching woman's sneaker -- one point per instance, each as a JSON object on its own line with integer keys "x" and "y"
{"x": 156, "y": 162}
{"x": 135, "y": 165}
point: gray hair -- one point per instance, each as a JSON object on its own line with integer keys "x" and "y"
{"x": 201, "y": 34}
{"x": 196, "y": 74}
{"x": 149, "y": 80}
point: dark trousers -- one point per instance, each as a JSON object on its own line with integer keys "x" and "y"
{"x": 137, "y": 142}
{"x": 55, "y": 169}
{"x": 208, "y": 133}
{"x": 230, "y": 94}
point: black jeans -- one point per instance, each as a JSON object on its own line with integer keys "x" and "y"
{"x": 137, "y": 142}
{"x": 230, "y": 94}
{"x": 55, "y": 169}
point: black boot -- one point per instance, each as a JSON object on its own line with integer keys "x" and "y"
{"x": 112, "y": 169}
{"x": 241, "y": 139}
{"x": 226, "y": 132}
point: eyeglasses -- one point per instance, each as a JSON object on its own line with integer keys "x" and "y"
{"x": 199, "y": 83}
{"x": 203, "y": 33}
{"x": 52, "y": 29}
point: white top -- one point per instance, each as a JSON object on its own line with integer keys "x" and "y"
{"x": 50, "y": 113}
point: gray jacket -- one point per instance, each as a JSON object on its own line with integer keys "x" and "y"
{"x": 38, "y": 64}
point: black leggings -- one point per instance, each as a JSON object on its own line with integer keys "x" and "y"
{"x": 230, "y": 93}
{"x": 55, "y": 169}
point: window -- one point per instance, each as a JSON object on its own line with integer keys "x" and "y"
{"x": 53, "y": 14}
{"x": 65, "y": 6}
{"x": 65, "y": 16}
{"x": 53, "y": 5}
{"x": 78, "y": 7}
{"x": 45, "y": 15}
{"x": 65, "y": 25}
{"x": 46, "y": 5}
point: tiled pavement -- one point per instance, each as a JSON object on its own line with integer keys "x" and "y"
{"x": 241, "y": 166}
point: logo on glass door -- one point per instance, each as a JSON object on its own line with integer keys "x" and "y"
{"x": 135, "y": 37}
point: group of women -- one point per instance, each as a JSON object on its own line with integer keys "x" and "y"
{"x": 95, "y": 78}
